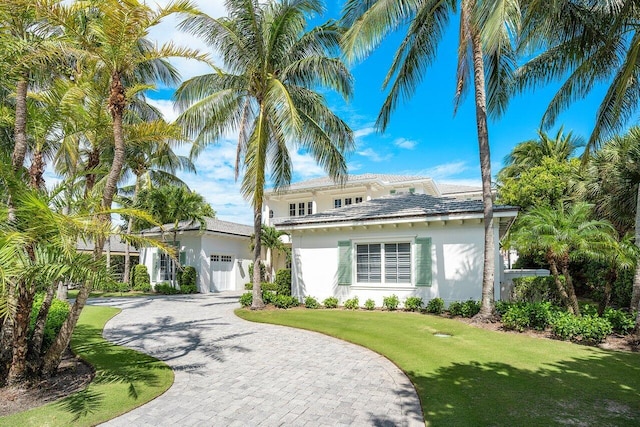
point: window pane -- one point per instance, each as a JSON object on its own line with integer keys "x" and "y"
{"x": 337, "y": 203}
{"x": 309, "y": 208}
{"x": 358, "y": 199}
{"x": 368, "y": 268}
{"x": 292, "y": 209}
{"x": 347, "y": 201}
{"x": 397, "y": 262}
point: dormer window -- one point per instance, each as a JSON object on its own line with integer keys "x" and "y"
{"x": 337, "y": 203}
{"x": 348, "y": 201}
{"x": 358, "y": 199}
{"x": 292, "y": 209}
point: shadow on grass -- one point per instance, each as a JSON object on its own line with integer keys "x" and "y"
{"x": 82, "y": 403}
{"x": 602, "y": 389}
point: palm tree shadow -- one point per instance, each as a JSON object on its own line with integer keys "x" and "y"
{"x": 82, "y": 403}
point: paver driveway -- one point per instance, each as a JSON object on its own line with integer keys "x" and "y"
{"x": 230, "y": 372}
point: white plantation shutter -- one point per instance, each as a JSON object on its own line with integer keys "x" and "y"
{"x": 397, "y": 262}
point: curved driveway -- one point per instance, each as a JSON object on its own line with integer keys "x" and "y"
{"x": 230, "y": 372}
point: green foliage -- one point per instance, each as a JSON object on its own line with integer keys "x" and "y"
{"x": 435, "y": 306}
{"x": 522, "y": 316}
{"x": 58, "y": 313}
{"x": 141, "y": 279}
{"x": 283, "y": 281}
{"x": 352, "y": 303}
{"x": 502, "y": 307}
{"x": 268, "y": 297}
{"x": 246, "y": 299}
{"x": 536, "y": 288}
{"x": 621, "y": 321}
{"x": 165, "y": 288}
{"x": 188, "y": 289}
{"x": 263, "y": 272}
{"x": 586, "y": 329}
{"x": 265, "y": 286}
{"x": 465, "y": 309}
{"x": 413, "y": 304}
{"x": 285, "y": 301}
{"x": 544, "y": 185}
{"x": 311, "y": 302}
{"x": 331, "y": 302}
{"x": 391, "y": 303}
{"x": 369, "y": 304}
{"x": 188, "y": 277}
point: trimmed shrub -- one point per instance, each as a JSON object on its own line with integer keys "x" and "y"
{"x": 141, "y": 279}
{"x": 58, "y": 313}
{"x": 435, "y": 306}
{"x": 586, "y": 329}
{"x": 536, "y": 289}
{"x": 263, "y": 272}
{"x": 285, "y": 301}
{"x": 188, "y": 289}
{"x": 283, "y": 281}
{"x": 331, "y": 302}
{"x": 502, "y": 307}
{"x": 165, "y": 288}
{"x": 311, "y": 302}
{"x": 391, "y": 303}
{"x": 352, "y": 304}
{"x": 268, "y": 297}
{"x": 370, "y": 304}
{"x": 455, "y": 308}
{"x": 621, "y": 321}
{"x": 465, "y": 309}
{"x": 265, "y": 286}
{"x": 188, "y": 277}
{"x": 413, "y": 304}
{"x": 516, "y": 318}
{"x": 246, "y": 299}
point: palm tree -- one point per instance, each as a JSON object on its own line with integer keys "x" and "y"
{"x": 530, "y": 153}
{"x": 269, "y": 91}
{"x": 485, "y": 49}
{"x": 271, "y": 240}
{"x": 580, "y": 43}
{"x": 562, "y": 235}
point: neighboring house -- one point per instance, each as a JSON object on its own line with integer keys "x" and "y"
{"x": 219, "y": 251}
{"x": 405, "y": 244}
{"x": 114, "y": 250}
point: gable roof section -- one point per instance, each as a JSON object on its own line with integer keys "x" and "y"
{"x": 117, "y": 246}
{"x": 447, "y": 189}
{"x": 325, "y": 181}
{"x": 212, "y": 224}
{"x": 396, "y": 206}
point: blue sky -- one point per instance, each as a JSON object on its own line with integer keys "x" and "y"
{"x": 423, "y": 138}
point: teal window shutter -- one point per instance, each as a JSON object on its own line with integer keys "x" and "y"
{"x": 344, "y": 263}
{"x": 183, "y": 257}
{"x": 154, "y": 271}
{"x": 423, "y": 261}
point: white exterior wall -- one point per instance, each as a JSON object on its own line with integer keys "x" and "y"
{"x": 457, "y": 259}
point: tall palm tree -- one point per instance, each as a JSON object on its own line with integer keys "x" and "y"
{"x": 271, "y": 240}
{"x": 562, "y": 235}
{"x": 485, "y": 50}
{"x": 269, "y": 91}
{"x": 530, "y": 153}
{"x": 580, "y": 43}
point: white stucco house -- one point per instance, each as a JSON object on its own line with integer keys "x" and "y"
{"x": 406, "y": 244}
{"x": 219, "y": 252}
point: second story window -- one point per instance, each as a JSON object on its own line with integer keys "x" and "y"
{"x": 301, "y": 209}
{"x": 309, "y": 208}
{"x": 337, "y": 203}
{"x": 358, "y": 199}
{"x": 292, "y": 209}
{"x": 348, "y": 201}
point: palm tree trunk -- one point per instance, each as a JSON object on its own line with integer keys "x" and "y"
{"x": 610, "y": 278}
{"x": 117, "y": 105}
{"x": 18, "y": 369}
{"x": 92, "y": 162}
{"x": 635, "y": 294}
{"x": 561, "y": 289}
{"x": 35, "y": 346}
{"x": 257, "y": 302}
{"x": 52, "y": 358}
{"x": 36, "y": 171}
{"x": 127, "y": 250}
{"x": 488, "y": 270}
{"x": 20, "y": 129}
{"x": 573, "y": 299}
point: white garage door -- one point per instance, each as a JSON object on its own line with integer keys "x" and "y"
{"x": 221, "y": 273}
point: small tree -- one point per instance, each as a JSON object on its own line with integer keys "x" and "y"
{"x": 141, "y": 279}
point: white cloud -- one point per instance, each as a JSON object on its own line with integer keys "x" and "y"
{"x": 360, "y": 133}
{"x": 166, "y": 108}
{"x": 405, "y": 143}
{"x": 305, "y": 166}
{"x": 446, "y": 170}
{"x": 372, "y": 155}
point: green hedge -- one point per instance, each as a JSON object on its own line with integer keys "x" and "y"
{"x": 58, "y": 313}
{"x": 536, "y": 289}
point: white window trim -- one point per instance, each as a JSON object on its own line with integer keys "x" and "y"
{"x": 387, "y": 285}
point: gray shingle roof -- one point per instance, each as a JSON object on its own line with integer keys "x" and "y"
{"x": 455, "y": 188}
{"x": 355, "y": 179}
{"x": 212, "y": 224}
{"x": 117, "y": 246}
{"x": 395, "y": 206}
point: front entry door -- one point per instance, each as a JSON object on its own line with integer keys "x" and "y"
{"x": 221, "y": 273}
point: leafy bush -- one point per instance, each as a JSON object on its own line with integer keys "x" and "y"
{"x": 311, "y": 302}
{"x": 588, "y": 309}
{"x": 536, "y": 289}
{"x": 391, "y": 303}
{"x": 265, "y": 286}
{"x": 58, "y": 312}
{"x": 516, "y": 318}
{"x": 188, "y": 289}
{"x": 503, "y": 306}
{"x": 283, "y": 281}
{"x": 165, "y": 288}
{"x": 141, "y": 279}
{"x": 246, "y": 299}
{"x": 263, "y": 272}
{"x": 188, "y": 277}
{"x": 621, "y": 321}
{"x": 435, "y": 306}
{"x": 455, "y": 308}
{"x": 352, "y": 304}
{"x": 587, "y": 329}
{"x": 268, "y": 297}
{"x": 285, "y": 301}
{"x": 521, "y": 316}
{"x": 369, "y": 304}
{"x": 413, "y": 304}
{"x": 465, "y": 309}
{"x": 331, "y": 302}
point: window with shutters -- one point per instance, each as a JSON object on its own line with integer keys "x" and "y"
{"x": 397, "y": 262}
{"x": 368, "y": 263}
{"x": 383, "y": 263}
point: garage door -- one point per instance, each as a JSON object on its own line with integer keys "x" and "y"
{"x": 221, "y": 273}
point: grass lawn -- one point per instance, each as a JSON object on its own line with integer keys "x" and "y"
{"x": 73, "y": 293}
{"x": 481, "y": 377}
{"x": 125, "y": 379}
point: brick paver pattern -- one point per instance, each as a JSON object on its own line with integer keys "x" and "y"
{"x": 230, "y": 372}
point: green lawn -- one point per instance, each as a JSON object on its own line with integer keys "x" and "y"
{"x": 102, "y": 294}
{"x": 480, "y": 377}
{"x": 125, "y": 379}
